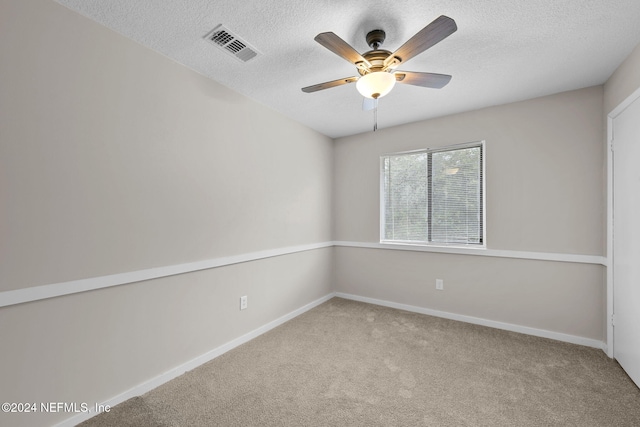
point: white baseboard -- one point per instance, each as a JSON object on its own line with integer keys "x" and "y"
{"x": 192, "y": 364}
{"x": 573, "y": 339}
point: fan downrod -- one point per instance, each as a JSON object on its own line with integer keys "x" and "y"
{"x": 375, "y": 38}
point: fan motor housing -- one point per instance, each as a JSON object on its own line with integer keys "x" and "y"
{"x": 376, "y": 59}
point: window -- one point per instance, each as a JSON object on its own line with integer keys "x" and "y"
{"x": 434, "y": 197}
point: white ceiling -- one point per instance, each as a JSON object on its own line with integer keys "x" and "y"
{"x": 503, "y": 51}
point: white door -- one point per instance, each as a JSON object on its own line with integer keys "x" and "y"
{"x": 626, "y": 239}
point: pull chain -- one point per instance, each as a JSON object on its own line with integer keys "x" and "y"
{"x": 375, "y": 114}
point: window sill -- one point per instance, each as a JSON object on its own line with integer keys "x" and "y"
{"x": 437, "y": 247}
{"x": 434, "y": 246}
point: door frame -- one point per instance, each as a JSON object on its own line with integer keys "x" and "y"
{"x": 610, "y": 285}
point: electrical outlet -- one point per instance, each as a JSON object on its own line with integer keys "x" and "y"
{"x": 243, "y": 302}
{"x": 439, "y": 284}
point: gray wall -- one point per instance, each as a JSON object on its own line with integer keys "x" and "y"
{"x": 544, "y": 194}
{"x": 115, "y": 159}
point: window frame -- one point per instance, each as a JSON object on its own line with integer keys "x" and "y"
{"x": 483, "y": 221}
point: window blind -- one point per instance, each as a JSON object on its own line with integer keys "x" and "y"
{"x": 434, "y": 196}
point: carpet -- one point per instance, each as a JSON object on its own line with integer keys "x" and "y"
{"x": 346, "y": 363}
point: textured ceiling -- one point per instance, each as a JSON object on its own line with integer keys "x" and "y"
{"x": 503, "y": 51}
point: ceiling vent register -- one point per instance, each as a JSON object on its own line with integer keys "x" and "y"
{"x": 232, "y": 44}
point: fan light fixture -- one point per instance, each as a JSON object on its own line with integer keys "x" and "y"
{"x": 378, "y": 66}
{"x": 376, "y": 85}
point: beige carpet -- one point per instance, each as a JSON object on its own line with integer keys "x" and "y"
{"x": 346, "y": 363}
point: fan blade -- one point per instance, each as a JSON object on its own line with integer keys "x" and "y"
{"x": 438, "y": 30}
{"x": 432, "y": 80}
{"x": 327, "y": 85}
{"x": 341, "y": 48}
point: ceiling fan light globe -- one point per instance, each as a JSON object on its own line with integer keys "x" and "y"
{"x": 375, "y": 85}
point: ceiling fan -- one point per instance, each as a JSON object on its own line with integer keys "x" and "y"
{"x": 377, "y": 67}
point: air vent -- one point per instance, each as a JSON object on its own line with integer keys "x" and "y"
{"x": 232, "y": 44}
